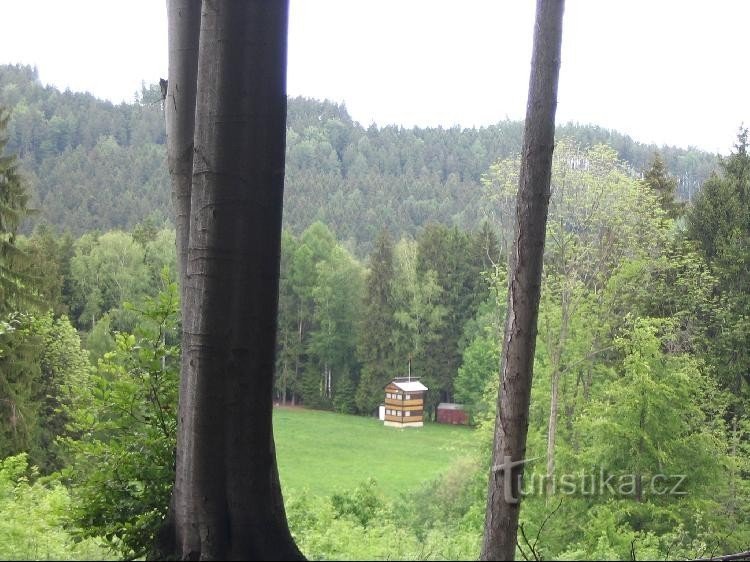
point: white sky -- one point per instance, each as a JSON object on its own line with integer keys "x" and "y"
{"x": 664, "y": 71}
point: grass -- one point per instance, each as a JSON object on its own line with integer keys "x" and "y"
{"x": 325, "y": 452}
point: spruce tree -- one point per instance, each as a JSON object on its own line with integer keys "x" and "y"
{"x": 451, "y": 255}
{"x": 658, "y": 180}
{"x": 485, "y": 256}
{"x": 13, "y": 210}
{"x": 378, "y": 326}
{"x": 719, "y": 221}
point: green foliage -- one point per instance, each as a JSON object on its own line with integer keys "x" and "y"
{"x": 481, "y": 363}
{"x": 38, "y": 354}
{"x": 95, "y": 165}
{"x": 719, "y": 221}
{"x": 644, "y": 330}
{"x": 662, "y": 415}
{"x": 14, "y": 208}
{"x": 375, "y": 348}
{"x": 362, "y": 504}
{"x": 713, "y": 217}
{"x": 46, "y": 267}
{"x": 123, "y": 432}
{"x": 678, "y": 285}
{"x": 322, "y": 533}
{"x": 628, "y": 313}
{"x": 444, "y": 502}
{"x": 34, "y": 525}
{"x": 320, "y": 293}
{"x": 419, "y": 311}
{"x": 333, "y": 343}
{"x": 658, "y": 180}
{"x": 62, "y": 360}
{"x": 107, "y": 271}
{"x": 343, "y": 398}
{"x": 20, "y": 386}
{"x": 369, "y": 497}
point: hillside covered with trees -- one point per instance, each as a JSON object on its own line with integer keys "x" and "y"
{"x": 393, "y": 259}
{"x": 93, "y": 165}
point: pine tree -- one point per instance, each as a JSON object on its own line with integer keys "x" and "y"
{"x": 720, "y": 222}
{"x": 658, "y": 180}
{"x": 720, "y": 217}
{"x": 378, "y": 326}
{"x": 485, "y": 256}
{"x": 13, "y": 210}
{"x": 517, "y": 366}
{"x": 451, "y": 255}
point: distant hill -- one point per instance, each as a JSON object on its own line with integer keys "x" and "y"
{"x": 95, "y": 165}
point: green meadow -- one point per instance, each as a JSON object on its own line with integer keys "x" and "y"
{"x": 325, "y": 452}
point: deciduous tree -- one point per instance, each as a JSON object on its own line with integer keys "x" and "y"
{"x": 509, "y": 448}
{"x": 227, "y": 499}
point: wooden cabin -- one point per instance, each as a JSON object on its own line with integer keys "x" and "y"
{"x": 404, "y": 403}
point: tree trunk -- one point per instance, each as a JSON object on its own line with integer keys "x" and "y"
{"x": 555, "y": 392}
{"x": 227, "y": 501}
{"x": 511, "y": 425}
{"x": 552, "y": 430}
{"x": 183, "y": 17}
{"x": 641, "y": 450}
{"x": 297, "y": 354}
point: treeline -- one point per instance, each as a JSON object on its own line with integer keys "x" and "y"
{"x": 639, "y": 364}
{"x": 640, "y": 369}
{"x": 75, "y": 297}
{"x": 94, "y": 165}
{"x": 346, "y": 330}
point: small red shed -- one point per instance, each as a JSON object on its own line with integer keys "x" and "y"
{"x": 448, "y": 412}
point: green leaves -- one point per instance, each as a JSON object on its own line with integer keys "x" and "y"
{"x": 34, "y": 521}
{"x": 122, "y": 432}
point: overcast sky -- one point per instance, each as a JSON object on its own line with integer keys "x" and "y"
{"x": 665, "y": 71}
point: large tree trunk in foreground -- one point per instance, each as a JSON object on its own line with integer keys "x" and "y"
{"x": 524, "y": 283}
{"x": 227, "y": 502}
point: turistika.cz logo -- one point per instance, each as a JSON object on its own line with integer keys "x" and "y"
{"x": 582, "y": 483}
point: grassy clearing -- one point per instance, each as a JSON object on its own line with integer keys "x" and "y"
{"x": 325, "y": 452}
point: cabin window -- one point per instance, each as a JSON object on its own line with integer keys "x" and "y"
{"x": 408, "y": 396}
{"x": 407, "y": 413}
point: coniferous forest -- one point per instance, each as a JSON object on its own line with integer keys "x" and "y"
{"x": 394, "y": 261}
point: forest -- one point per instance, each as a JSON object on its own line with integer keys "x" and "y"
{"x": 394, "y": 260}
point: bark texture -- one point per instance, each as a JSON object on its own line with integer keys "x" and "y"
{"x": 183, "y": 20}
{"x": 183, "y": 17}
{"x": 227, "y": 502}
{"x": 516, "y": 369}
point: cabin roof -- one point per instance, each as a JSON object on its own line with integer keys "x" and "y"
{"x": 409, "y": 386}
